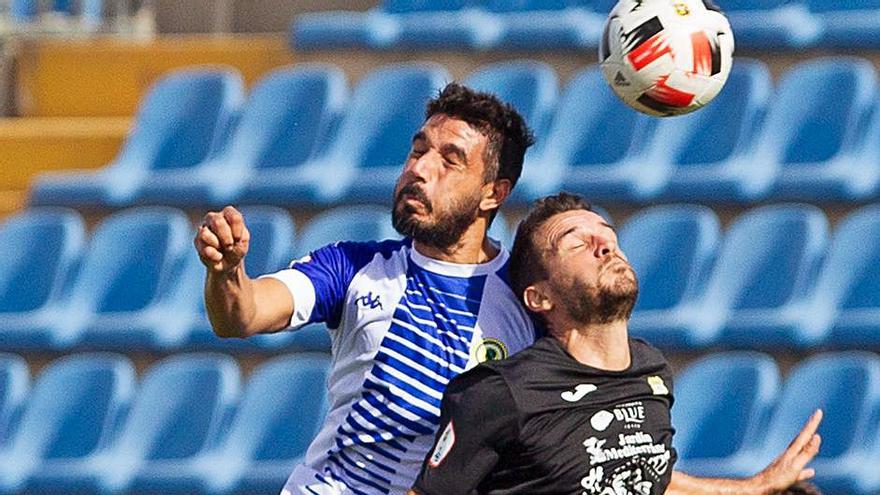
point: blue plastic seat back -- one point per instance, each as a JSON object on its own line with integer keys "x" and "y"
{"x": 180, "y": 407}
{"x": 73, "y": 405}
{"x": 750, "y": 5}
{"x": 841, "y": 5}
{"x": 729, "y": 123}
{"x": 374, "y": 133}
{"x": 413, "y": 6}
{"x": 42, "y": 246}
{"x": 287, "y": 116}
{"x": 670, "y": 248}
{"x": 531, "y": 87}
{"x": 132, "y": 255}
{"x": 731, "y": 392}
{"x": 529, "y": 5}
{"x": 770, "y": 255}
{"x": 853, "y": 266}
{"x": 183, "y": 117}
{"x": 14, "y": 385}
{"x": 592, "y": 126}
{"x": 282, "y": 409}
{"x": 845, "y": 386}
{"x": 819, "y": 108}
{"x": 347, "y": 223}
{"x": 272, "y": 239}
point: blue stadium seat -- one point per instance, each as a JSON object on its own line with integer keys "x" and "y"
{"x": 374, "y": 138}
{"x": 817, "y": 145}
{"x": 853, "y": 24}
{"x": 846, "y": 303}
{"x": 594, "y": 147}
{"x": 545, "y": 24}
{"x": 181, "y": 120}
{"x": 179, "y": 410}
{"x": 771, "y": 24}
{"x": 281, "y": 410}
{"x": 710, "y": 149}
{"x": 433, "y": 24}
{"x": 671, "y": 249}
{"x": 732, "y": 393}
{"x": 24, "y": 11}
{"x": 288, "y": 116}
{"x": 271, "y": 249}
{"x": 69, "y": 415}
{"x": 339, "y": 29}
{"x": 760, "y": 287}
{"x": 849, "y": 395}
{"x": 14, "y": 386}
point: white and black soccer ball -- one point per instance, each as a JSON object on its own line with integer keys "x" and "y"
{"x": 666, "y": 57}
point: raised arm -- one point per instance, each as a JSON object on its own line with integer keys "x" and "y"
{"x": 786, "y": 470}
{"x": 237, "y": 305}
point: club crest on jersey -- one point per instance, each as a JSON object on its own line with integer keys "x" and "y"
{"x": 657, "y": 385}
{"x": 444, "y": 445}
{"x": 682, "y": 9}
{"x": 490, "y": 350}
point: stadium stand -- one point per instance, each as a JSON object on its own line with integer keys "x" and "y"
{"x": 545, "y": 24}
{"x": 14, "y": 385}
{"x": 750, "y": 382}
{"x": 847, "y": 23}
{"x": 771, "y": 24}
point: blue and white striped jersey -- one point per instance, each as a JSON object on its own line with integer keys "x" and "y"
{"x": 402, "y": 326}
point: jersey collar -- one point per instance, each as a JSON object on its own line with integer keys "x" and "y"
{"x": 460, "y": 269}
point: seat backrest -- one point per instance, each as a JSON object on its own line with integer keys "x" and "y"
{"x": 849, "y": 391}
{"x": 770, "y": 256}
{"x": 73, "y": 406}
{"x": 820, "y": 110}
{"x": 14, "y": 384}
{"x": 132, "y": 256}
{"x": 287, "y": 115}
{"x": 503, "y": 6}
{"x": 743, "y": 387}
{"x": 592, "y": 126}
{"x": 282, "y": 409}
{"x": 42, "y": 246}
{"x": 751, "y": 5}
{"x": 531, "y": 87}
{"x": 374, "y": 133}
{"x": 180, "y": 407}
{"x": 841, "y": 5}
{"x": 728, "y": 125}
{"x": 182, "y": 119}
{"x": 850, "y": 274}
{"x": 671, "y": 248}
{"x": 415, "y": 6}
{"x": 347, "y": 223}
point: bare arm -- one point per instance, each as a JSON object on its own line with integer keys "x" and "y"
{"x": 237, "y": 305}
{"x": 787, "y": 469}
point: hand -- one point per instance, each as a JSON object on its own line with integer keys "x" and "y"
{"x": 223, "y": 239}
{"x": 790, "y": 466}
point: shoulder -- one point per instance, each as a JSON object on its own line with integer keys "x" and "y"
{"x": 481, "y": 385}
{"x": 352, "y": 253}
{"x": 647, "y": 354}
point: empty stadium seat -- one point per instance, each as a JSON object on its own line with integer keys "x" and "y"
{"x": 672, "y": 249}
{"x": 289, "y": 115}
{"x": 282, "y": 409}
{"x": 710, "y": 150}
{"x": 816, "y": 129}
{"x": 545, "y": 24}
{"x": 182, "y": 119}
{"x": 771, "y": 24}
{"x": 594, "y": 147}
{"x": 70, "y": 414}
{"x": 732, "y": 393}
{"x": 760, "y": 287}
{"x": 14, "y": 384}
{"x": 24, "y": 11}
{"x": 179, "y": 410}
{"x": 433, "y": 24}
{"x": 374, "y": 139}
{"x": 847, "y": 23}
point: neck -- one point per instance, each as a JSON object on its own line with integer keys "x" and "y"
{"x": 605, "y": 346}
{"x": 473, "y": 247}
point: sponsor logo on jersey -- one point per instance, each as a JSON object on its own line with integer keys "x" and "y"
{"x": 444, "y": 445}
{"x": 490, "y": 350}
{"x": 370, "y": 301}
{"x": 657, "y": 385}
{"x": 601, "y": 420}
{"x": 579, "y": 392}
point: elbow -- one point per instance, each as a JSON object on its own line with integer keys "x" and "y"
{"x": 230, "y": 331}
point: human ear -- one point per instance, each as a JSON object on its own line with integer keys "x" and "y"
{"x": 536, "y": 300}
{"x": 495, "y": 193}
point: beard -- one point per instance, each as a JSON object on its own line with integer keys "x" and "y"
{"x": 602, "y": 304}
{"x": 447, "y": 227}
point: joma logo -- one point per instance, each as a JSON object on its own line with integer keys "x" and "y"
{"x": 368, "y": 300}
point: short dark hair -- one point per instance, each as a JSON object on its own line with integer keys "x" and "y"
{"x": 509, "y": 136}
{"x": 801, "y": 488}
{"x": 526, "y": 262}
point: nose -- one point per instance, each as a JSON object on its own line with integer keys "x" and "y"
{"x": 603, "y": 246}
{"x": 419, "y": 168}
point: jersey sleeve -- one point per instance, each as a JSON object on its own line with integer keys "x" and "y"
{"x": 319, "y": 282}
{"x": 478, "y": 418}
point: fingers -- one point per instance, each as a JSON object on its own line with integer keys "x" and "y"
{"x": 217, "y": 224}
{"x": 235, "y": 220}
{"x": 806, "y": 474}
{"x": 222, "y": 238}
{"x": 807, "y": 453}
{"x": 806, "y": 435}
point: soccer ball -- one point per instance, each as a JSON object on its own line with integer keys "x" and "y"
{"x": 666, "y": 57}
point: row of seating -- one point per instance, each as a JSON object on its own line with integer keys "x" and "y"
{"x": 90, "y": 12}
{"x": 190, "y": 425}
{"x": 776, "y": 278}
{"x": 573, "y": 25}
{"x": 301, "y": 140}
